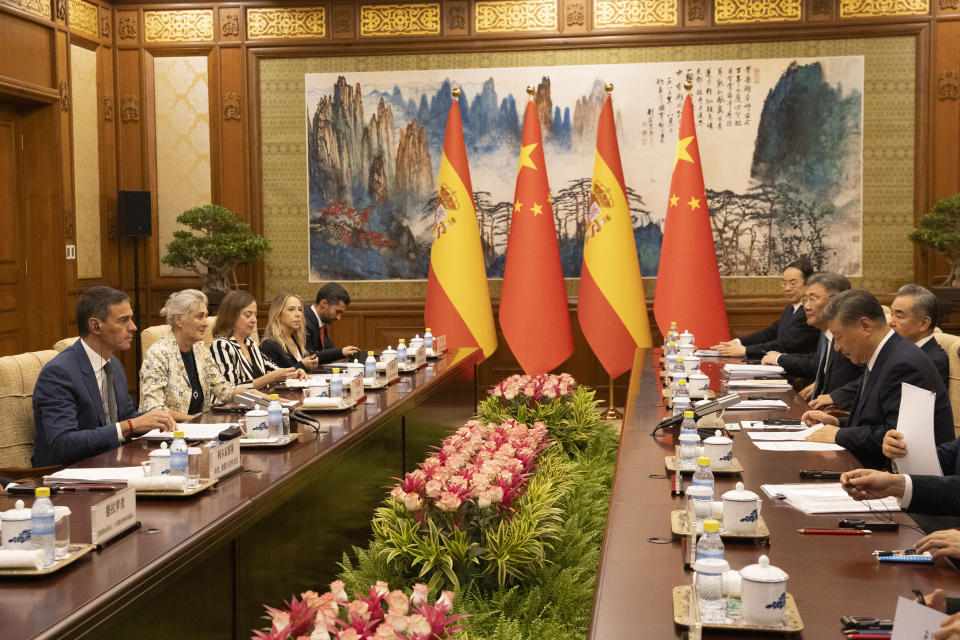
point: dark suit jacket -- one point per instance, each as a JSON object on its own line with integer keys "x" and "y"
{"x": 326, "y": 351}
{"x": 935, "y": 495}
{"x": 840, "y": 370}
{"x": 876, "y": 408}
{"x": 844, "y": 396}
{"x": 68, "y": 410}
{"x": 278, "y": 355}
{"x": 789, "y": 334}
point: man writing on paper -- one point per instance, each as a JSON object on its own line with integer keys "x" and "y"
{"x": 332, "y": 300}
{"x": 860, "y": 331}
{"x": 829, "y": 369}
{"x": 81, "y": 405}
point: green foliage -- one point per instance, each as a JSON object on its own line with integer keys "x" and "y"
{"x": 574, "y": 422}
{"x": 224, "y": 244}
{"x": 940, "y": 229}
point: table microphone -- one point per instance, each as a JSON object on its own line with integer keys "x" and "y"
{"x": 700, "y": 410}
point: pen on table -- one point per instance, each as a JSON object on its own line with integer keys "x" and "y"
{"x": 835, "y": 532}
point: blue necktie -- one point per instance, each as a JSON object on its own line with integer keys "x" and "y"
{"x": 821, "y": 366}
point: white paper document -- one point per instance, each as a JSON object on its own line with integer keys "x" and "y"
{"x": 771, "y": 403}
{"x": 784, "y": 435}
{"x": 914, "y": 620}
{"x": 915, "y": 422}
{"x": 707, "y": 353}
{"x": 191, "y": 431}
{"x": 98, "y": 474}
{"x": 798, "y": 446}
{"x": 760, "y": 424}
{"x": 753, "y": 383}
{"x": 752, "y": 370}
{"x": 825, "y": 497}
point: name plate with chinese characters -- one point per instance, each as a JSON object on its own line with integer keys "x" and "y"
{"x": 420, "y": 357}
{"x": 355, "y": 387}
{"x": 111, "y": 517}
{"x": 392, "y": 370}
{"x": 225, "y": 458}
{"x": 440, "y": 344}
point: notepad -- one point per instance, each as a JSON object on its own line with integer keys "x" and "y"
{"x": 109, "y": 475}
{"x": 771, "y": 403}
{"x": 752, "y": 370}
{"x": 825, "y": 497}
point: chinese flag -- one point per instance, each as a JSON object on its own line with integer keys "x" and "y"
{"x": 458, "y": 300}
{"x": 688, "y": 280}
{"x": 612, "y": 309}
{"x": 534, "y": 313}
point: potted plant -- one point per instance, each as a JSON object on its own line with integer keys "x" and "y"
{"x": 223, "y": 244}
{"x": 940, "y": 229}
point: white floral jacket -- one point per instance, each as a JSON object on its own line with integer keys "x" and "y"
{"x": 164, "y": 383}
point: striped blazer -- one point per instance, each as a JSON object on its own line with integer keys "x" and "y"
{"x": 235, "y": 367}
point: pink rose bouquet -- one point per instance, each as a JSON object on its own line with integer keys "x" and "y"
{"x": 534, "y": 389}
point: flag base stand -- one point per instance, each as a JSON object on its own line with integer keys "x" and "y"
{"x": 612, "y": 413}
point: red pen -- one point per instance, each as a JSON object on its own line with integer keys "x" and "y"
{"x": 835, "y": 532}
{"x": 869, "y": 636}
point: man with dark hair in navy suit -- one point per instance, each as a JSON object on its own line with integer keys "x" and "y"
{"x": 860, "y": 330}
{"x": 81, "y": 405}
{"x": 332, "y": 300}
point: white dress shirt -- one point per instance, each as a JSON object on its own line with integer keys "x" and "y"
{"x": 97, "y": 362}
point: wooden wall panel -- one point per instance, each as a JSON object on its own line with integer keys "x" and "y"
{"x": 232, "y": 117}
{"x": 26, "y": 51}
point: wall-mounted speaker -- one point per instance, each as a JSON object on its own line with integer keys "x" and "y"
{"x": 133, "y": 213}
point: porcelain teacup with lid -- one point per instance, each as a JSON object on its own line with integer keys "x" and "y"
{"x": 763, "y": 592}
{"x": 15, "y": 527}
{"x": 719, "y": 448}
{"x": 741, "y": 511}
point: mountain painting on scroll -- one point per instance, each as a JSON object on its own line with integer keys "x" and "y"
{"x": 780, "y": 141}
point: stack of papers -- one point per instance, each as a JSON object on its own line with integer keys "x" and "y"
{"x": 784, "y": 435}
{"x": 707, "y": 353}
{"x": 825, "y": 497}
{"x": 760, "y": 424}
{"x": 108, "y": 475}
{"x": 191, "y": 431}
{"x": 753, "y": 370}
{"x": 771, "y": 403}
{"x": 798, "y": 446}
{"x": 755, "y": 383}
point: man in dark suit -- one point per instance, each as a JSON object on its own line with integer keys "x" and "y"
{"x": 860, "y": 331}
{"x": 790, "y": 333}
{"x": 829, "y": 369}
{"x": 81, "y": 405}
{"x": 332, "y": 300}
{"x": 914, "y": 314}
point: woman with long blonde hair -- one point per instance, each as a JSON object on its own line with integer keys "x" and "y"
{"x": 285, "y": 335}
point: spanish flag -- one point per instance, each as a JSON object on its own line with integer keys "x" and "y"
{"x": 688, "y": 279}
{"x": 458, "y": 300}
{"x": 611, "y": 308}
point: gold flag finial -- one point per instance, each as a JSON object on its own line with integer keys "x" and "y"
{"x": 456, "y": 92}
{"x": 688, "y": 85}
{"x": 530, "y": 90}
{"x": 608, "y": 87}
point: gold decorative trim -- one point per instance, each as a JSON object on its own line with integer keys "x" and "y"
{"x": 107, "y": 109}
{"x": 40, "y": 8}
{"x": 85, "y": 18}
{"x": 130, "y": 108}
{"x": 231, "y": 106}
{"x": 300, "y": 22}
{"x": 127, "y": 27}
{"x": 187, "y": 25}
{"x": 948, "y": 85}
{"x": 876, "y": 8}
{"x": 619, "y": 14}
{"x": 64, "y": 90}
{"x": 230, "y": 25}
{"x": 743, "y": 11}
{"x": 506, "y": 16}
{"x": 400, "y": 20}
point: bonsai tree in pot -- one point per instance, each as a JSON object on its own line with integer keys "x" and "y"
{"x": 224, "y": 244}
{"x": 940, "y": 229}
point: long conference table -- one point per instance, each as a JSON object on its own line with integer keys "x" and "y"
{"x": 829, "y": 576}
{"x": 204, "y": 566}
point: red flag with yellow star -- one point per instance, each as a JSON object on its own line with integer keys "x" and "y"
{"x": 688, "y": 280}
{"x": 534, "y": 312}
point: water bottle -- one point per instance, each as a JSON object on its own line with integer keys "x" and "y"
{"x": 370, "y": 366}
{"x": 336, "y": 384}
{"x": 710, "y": 545}
{"x": 671, "y": 351}
{"x": 42, "y": 525}
{"x": 679, "y": 386}
{"x": 275, "y": 417}
{"x": 179, "y": 456}
{"x": 689, "y": 425}
{"x": 402, "y": 352}
{"x": 703, "y": 476}
{"x": 286, "y": 422}
{"x": 677, "y": 370}
{"x": 428, "y": 339}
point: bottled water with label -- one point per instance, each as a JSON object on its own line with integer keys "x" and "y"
{"x": 710, "y": 545}
{"x": 274, "y": 417}
{"x": 42, "y": 525}
{"x": 703, "y": 476}
{"x": 402, "y": 352}
{"x": 370, "y": 366}
{"x": 428, "y": 339}
{"x": 336, "y": 384}
{"x": 179, "y": 456}
{"x": 688, "y": 425}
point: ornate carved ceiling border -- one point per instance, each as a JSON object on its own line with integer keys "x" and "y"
{"x": 879, "y": 8}
{"x": 39, "y": 8}
{"x": 184, "y": 25}
{"x": 422, "y": 19}
{"x": 281, "y": 23}
{"x": 512, "y": 16}
{"x": 619, "y": 14}
{"x": 85, "y": 18}
{"x": 747, "y": 11}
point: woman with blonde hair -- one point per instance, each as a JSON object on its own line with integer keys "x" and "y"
{"x": 178, "y": 373}
{"x": 236, "y": 352}
{"x": 286, "y": 333}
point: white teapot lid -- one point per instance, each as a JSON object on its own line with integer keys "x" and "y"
{"x": 740, "y": 494}
{"x": 18, "y": 513}
{"x": 763, "y": 571}
{"x": 719, "y": 438}
{"x": 162, "y": 452}
{"x": 389, "y": 349}
{"x": 686, "y": 332}
{"x": 711, "y": 565}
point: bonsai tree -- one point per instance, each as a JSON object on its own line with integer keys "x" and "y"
{"x": 224, "y": 244}
{"x": 940, "y": 230}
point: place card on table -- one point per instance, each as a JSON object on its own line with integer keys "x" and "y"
{"x": 354, "y": 389}
{"x": 223, "y": 457}
{"x": 420, "y": 357}
{"x": 392, "y": 370}
{"x": 112, "y": 516}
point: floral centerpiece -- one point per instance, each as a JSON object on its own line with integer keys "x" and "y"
{"x": 334, "y": 616}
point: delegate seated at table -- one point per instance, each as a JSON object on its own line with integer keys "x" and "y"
{"x": 81, "y": 404}
{"x": 332, "y": 300}
{"x": 790, "y": 333}
{"x": 285, "y": 335}
{"x": 178, "y": 373}
{"x": 860, "y": 331}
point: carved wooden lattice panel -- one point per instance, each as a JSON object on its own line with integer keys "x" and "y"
{"x": 84, "y": 17}
{"x": 505, "y": 16}
{"x": 400, "y": 19}
{"x": 744, "y": 11}
{"x": 612, "y": 14}
{"x": 39, "y": 8}
{"x": 300, "y": 22}
{"x": 190, "y": 25}
{"x": 873, "y": 8}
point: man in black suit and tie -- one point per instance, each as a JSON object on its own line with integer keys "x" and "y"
{"x": 914, "y": 314}
{"x": 860, "y": 331}
{"x": 81, "y": 405}
{"x": 828, "y": 368}
{"x": 332, "y": 300}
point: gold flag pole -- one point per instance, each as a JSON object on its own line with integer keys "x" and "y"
{"x": 612, "y": 413}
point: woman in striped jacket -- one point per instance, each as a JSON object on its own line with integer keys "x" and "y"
{"x": 236, "y": 352}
